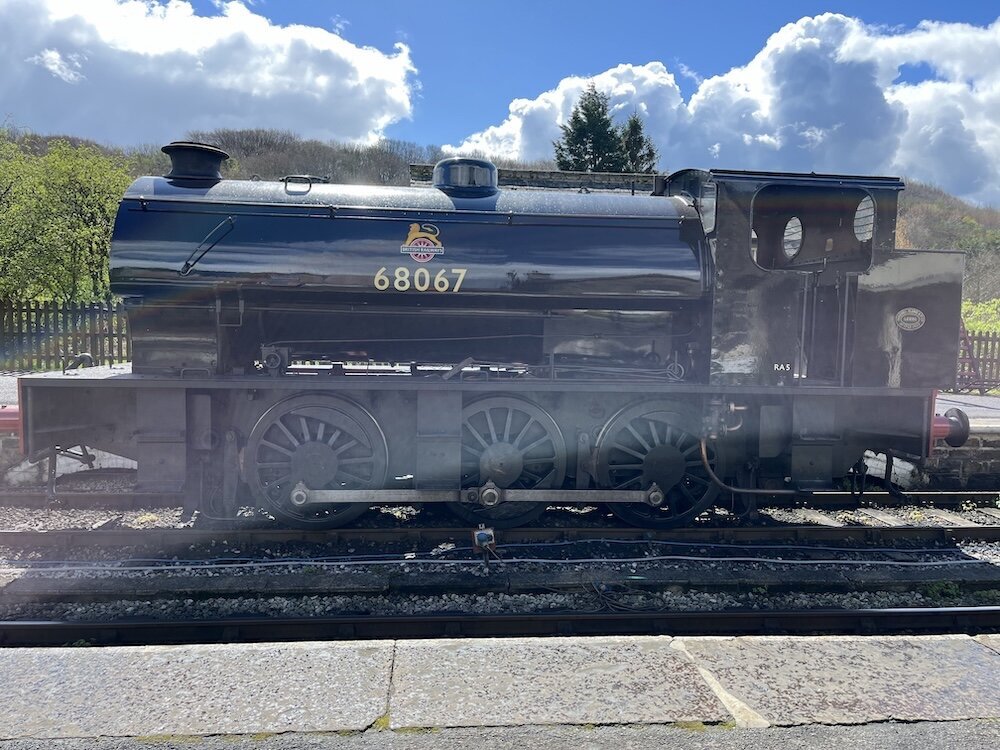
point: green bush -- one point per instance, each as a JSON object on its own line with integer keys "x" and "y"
{"x": 982, "y": 316}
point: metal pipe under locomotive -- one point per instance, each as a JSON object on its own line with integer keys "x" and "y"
{"x": 316, "y": 348}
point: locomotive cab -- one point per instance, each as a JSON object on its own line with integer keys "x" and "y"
{"x": 811, "y": 296}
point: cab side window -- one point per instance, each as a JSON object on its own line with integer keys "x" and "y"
{"x": 805, "y": 228}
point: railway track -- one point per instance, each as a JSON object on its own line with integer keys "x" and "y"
{"x": 177, "y": 538}
{"x": 267, "y": 629}
{"x": 165, "y": 604}
{"x": 120, "y": 564}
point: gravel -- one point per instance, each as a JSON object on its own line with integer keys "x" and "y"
{"x": 54, "y": 519}
{"x": 985, "y": 551}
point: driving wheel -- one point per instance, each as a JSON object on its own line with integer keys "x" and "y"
{"x": 325, "y": 442}
{"x": 657, "y": 443}
{"x": 516, "y": 445}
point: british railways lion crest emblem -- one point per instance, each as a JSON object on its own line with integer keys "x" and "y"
{"x": 422, "y": 242}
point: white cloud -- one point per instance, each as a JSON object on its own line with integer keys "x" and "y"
{"x": 824, "y": 94}
{"x": 66, "y": 69}
{"x": 129, "y": 71}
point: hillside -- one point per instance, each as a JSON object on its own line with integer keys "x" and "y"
{"x": 931, "y": 219}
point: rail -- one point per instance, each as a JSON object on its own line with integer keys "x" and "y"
{"x": 266, "y": 629}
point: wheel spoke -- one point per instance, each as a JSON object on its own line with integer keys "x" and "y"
{"x": 506, "y": 427}
{"x": 550, "y": 473}
{"x": 489, "y": 424}
{"x": 477, "y": 436}
{"x": 690, "y": 450}
{"x": 349, "y": 444}
{"x": 279, "y": 481}
{"x": 305, "y": 429}
{"x": 355, "y": 460}
{"x": 288, "y": 433}
{"x": 273, "y": 464}
{"x": 276, "y": 447}
{"x": 538, "y": 442}
{"x": 625, "y": 484}
{"x": 687, "y": 493}
{"x": 697, "y": 480}
{"x": 624, "y": 467}
{"x": 319, "y": 431}
{"x": 524, "y": 429}
{"x": 536, "y": 461}
{"x": 652, "y": 429}
{"x": 471, "y": 450}
{"x": 333, "y": 438}
{"x": 355, "y": 477}
{"x": 640, "y": 438}
{"x": 631, "y": 452}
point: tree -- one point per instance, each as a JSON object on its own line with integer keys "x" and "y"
{"x": 638, "y": 152}
{"x": 590, "y": 141}
{"x": 241, "y": 143}
{"x": 18, "y": 174}
{"x": 80, "y": 188}
{"x": 56, "y": 213}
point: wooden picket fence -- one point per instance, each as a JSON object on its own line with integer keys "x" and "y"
{"x": 46, "y": 335}
{"x": 978, "y": 361}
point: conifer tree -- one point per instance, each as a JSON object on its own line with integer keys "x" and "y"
{"x": 590, "y": 140}
{"x": 638, "y": 152}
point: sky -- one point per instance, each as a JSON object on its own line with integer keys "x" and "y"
{"x": 853, "y": 87}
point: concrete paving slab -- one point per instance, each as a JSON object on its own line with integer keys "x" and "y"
{"x": 8, "y": 389}
{"x": 990, "y": 641}
{"x": 192, "y": 690}
{"x": 982, "y": 410}
{"x": 848, "y": 680}
{"x": 518, "y": 681}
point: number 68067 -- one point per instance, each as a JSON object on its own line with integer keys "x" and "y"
{"x": 402, "y": 279}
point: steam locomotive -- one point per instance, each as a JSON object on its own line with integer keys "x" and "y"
{"x": 315, "y": 349}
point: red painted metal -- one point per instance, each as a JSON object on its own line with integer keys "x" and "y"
{"x": 10, "y": 419}
{"x": 940, "y": 428}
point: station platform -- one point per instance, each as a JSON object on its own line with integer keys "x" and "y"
{"x": 732, "y": 683}
{"x": 983, "y": 411}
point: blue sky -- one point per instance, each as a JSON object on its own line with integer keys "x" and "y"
{"x": 473, "y": 58}
{"x": 874, "y": 87}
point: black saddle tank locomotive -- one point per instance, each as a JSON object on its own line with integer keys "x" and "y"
{"x": 315, "y": 349}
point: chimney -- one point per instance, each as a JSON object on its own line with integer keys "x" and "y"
{"x": 194, "y": 161}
